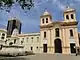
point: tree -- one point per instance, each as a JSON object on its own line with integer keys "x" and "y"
{"x": 24, "y": 4}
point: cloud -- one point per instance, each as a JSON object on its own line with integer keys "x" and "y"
{"x": 30, "y": 20}
{"x": 77, "y": 1}
{"x": 58, "y": 4}
{"x": 63, "y": 4}
{"x": 39, "y": 2}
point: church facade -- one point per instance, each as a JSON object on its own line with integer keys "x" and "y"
{"x": 61, "y": 36}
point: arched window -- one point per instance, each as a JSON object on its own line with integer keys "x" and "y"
{"x": 67, "y": 17}
{"x": 43, "y": 21}
{"x": 10, "y": 43}
{"x": 44, "y": 34}
{"x": 46, "y": 20}
{"x": 57, "y": 32}
{"x": 3, "y": 34}
{"x": 37, "y": 47}
{"x": 14, "y": 41}
{"x": 71, "y": 32}
{"x": 72, "y": 16}
{"x": 21, "y": 42}
{"x": 27, "y": 39}
{"x": 31, "y": 48}
{"x": 6, "y": 42}
{"x": 37, "y": 39}
{"x": 32, "y": 39}
{"x": 2, "y": 37}
{"x": 1, "y": 47}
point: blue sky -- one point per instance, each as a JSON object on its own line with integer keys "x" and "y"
{"x": 31, "y": 19}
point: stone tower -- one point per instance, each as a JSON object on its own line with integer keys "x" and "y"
{"x": 45, "y": 18}
{"x": 69, "y": 14}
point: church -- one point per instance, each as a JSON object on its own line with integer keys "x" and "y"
{"x": 60, "y": 36}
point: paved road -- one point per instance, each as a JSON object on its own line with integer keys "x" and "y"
{"x": 43, "y": 57}
{"x": 54, "y": 57}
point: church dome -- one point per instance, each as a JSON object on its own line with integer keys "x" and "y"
{"x": 46, "y": 13}
{"x": 69, "y": 9}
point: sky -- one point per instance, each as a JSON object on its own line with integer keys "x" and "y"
{"x": 31, "y": 18}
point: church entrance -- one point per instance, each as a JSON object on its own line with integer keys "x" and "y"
{"x": 45, "y": 48}
{"x": 58, "y": 46}
{"x": 72, "y": 47}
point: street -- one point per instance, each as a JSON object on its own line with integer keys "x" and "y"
{"x": 43, "y": 57}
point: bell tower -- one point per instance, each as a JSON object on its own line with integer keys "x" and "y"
{"x": 45, "y": 18}
{"x": 69, "y": 14}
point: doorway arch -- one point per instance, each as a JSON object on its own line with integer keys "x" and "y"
{"x": 58, "y": 46}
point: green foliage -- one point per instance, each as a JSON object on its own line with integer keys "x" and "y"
{"x": 7, "y": 4}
